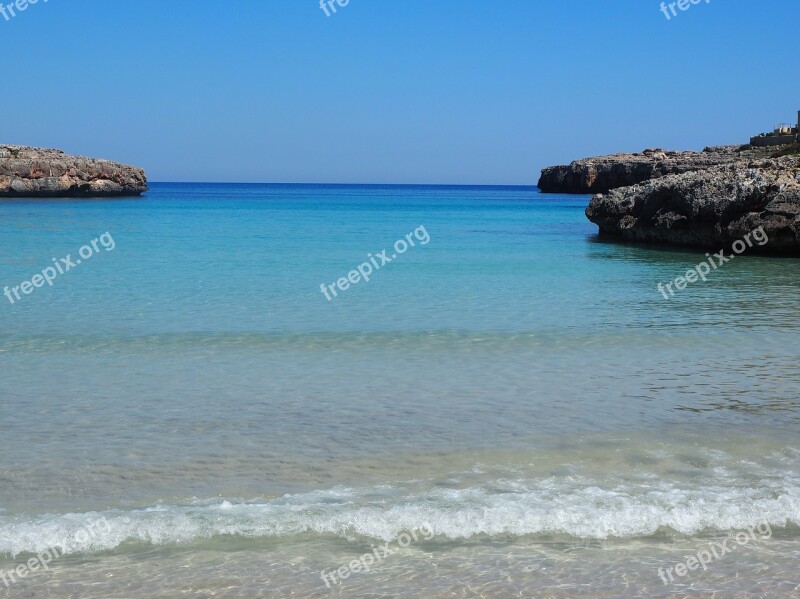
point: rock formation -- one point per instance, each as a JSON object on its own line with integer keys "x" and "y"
{"x": 705, "y": 199}
{"x": 604, "y": 173}
{"x": 38, "y": 172}
{"x": 710, "y": 208}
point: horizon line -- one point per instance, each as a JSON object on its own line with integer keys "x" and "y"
{"x": 521, "y": 185}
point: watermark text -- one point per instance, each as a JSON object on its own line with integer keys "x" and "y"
{"x": 60, "y": 266}
{"x": 376, "y": 556}
{"x": 366, "y": 269}
{"x": 702, "y": 270}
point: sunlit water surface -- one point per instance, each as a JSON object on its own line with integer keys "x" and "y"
{"x": 514, "y": 385}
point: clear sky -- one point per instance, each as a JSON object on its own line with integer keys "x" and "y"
{"x": 401, "y": 91}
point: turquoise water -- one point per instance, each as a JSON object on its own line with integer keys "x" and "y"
{"x": 513, "y": 383}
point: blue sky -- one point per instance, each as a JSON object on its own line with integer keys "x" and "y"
{"x": 403, "y": 91}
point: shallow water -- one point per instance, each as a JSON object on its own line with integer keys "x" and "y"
{"x": 514, "y": 384}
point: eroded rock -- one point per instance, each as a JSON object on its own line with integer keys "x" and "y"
{"x": 39, "y": 172}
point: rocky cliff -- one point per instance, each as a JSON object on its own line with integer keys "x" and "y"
{"x": 708, "y": 208}
{"x": 38, "y": 172}
{"x": 604, "y": 173}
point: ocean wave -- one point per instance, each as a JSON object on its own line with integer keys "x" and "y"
{"x": 571, "y": 507}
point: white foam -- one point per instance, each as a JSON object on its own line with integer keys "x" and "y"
{"x": 557, "y": 506}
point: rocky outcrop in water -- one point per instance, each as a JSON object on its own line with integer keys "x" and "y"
{"x": 604, "y": 173}
{"x": 709, "y": 208}
{"x": 38, "y": 172}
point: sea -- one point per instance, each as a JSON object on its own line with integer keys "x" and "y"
{"x": 234, "y": 390}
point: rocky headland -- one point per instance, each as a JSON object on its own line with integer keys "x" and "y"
{"x": 705, "y": 199}
{"x": 38, "y": 172}
{"x": 604, "y": 173}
